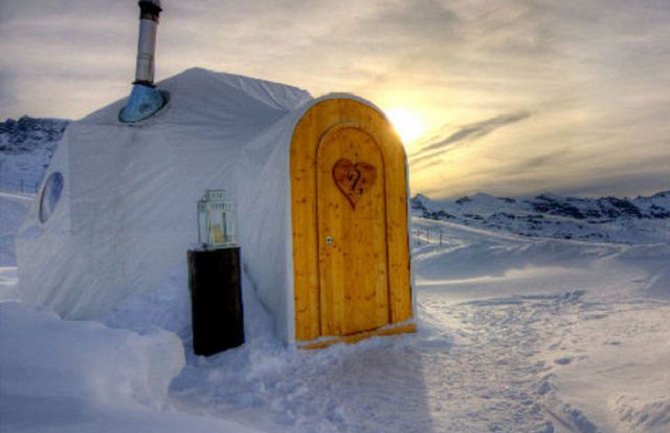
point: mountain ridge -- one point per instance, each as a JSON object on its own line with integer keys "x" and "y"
{"x": 26, "y": 147}
{"x": 605, "y": 219}
{"x": 29, "y": 133}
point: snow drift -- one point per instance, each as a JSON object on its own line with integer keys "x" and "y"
{"x": 100, "y": 363}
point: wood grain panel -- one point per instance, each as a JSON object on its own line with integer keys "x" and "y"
{"x": 395, "y": 329}
{"x": 353, "y": 267}
{"x": 309, "y": 132}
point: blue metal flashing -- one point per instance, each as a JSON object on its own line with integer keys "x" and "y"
{"x": 143, "y": 102}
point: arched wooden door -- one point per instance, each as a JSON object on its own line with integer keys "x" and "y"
{"x": 351, "y": 214}
{"x": 350, "y": 240}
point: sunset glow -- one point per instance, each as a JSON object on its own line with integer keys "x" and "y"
{"x": 407, "y": 124}
{"x": 512, "y": 98}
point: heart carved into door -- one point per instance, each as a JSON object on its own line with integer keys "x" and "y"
{"x": 353, "y": 180}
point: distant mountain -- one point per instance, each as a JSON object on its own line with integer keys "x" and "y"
{"x": 606, "y": 219}
{"x": 26, "y": 147}
{"x": 29, "y": 134}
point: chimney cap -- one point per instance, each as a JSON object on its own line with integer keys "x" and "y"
{"x": 150, "y": 6}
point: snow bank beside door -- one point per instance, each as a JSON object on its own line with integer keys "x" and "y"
{"x": 51, "y": 358}
{"x": 61, "y": 376}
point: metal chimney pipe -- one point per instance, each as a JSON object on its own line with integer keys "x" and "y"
{"x": 146, "y": 46}
{"x": 145, "y": 99}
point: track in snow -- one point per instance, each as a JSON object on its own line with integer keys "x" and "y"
{"x": 474, "y": 367}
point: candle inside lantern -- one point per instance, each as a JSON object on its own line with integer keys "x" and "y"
{"x": 216, "y": 221}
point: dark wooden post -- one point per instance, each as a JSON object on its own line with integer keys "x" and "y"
{"x": 216, "y": 300}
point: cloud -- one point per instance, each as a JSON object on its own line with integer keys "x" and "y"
{"x": 593, "y": 75}
{"x": 628, "y": 184}
{"x": 425, "y": 161}
{"x": 564, "y": 170}
{"x": 470, "y": 132}
{"x": 6, "y": 93}
{"x": 434, "y": 162}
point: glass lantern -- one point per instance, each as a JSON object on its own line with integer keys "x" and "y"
{"x": 216, "y": 221}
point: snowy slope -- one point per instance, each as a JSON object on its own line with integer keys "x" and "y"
{"x": 575, "y": 330}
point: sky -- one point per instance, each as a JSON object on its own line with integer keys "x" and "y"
{"x": 510, "y": 97}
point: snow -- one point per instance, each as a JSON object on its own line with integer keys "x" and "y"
{"x": 516, "y": 334}
{"x": 584, "y": 322}
{"x": 62, "y": 376}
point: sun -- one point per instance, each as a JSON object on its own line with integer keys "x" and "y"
{"x": 408, "y": 125}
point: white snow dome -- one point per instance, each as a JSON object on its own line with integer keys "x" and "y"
{"x": 118, "y": 211}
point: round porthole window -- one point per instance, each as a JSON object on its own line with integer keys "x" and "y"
{"x": 50, "y": 195}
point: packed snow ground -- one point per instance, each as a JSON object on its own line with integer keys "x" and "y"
{"x": 516, "y": 334}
